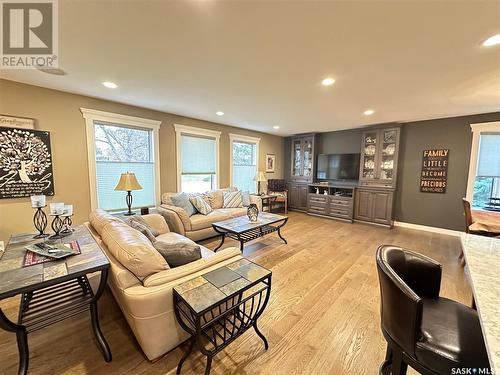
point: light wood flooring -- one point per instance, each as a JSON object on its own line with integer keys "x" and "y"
{"x": 322, "y": 318}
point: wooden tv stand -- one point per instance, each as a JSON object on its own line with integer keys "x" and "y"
{"x": 338, "y": 202}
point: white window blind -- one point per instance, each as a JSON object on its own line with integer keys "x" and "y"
{"x": 120, "y": 149}
{"x": 244, "y": 165}
{"x": 198, "y": 163}
{"x": 489, "y": 155}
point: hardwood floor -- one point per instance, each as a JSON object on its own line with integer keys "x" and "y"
{"x": 322, "y": 318}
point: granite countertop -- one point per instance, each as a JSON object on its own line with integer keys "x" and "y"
{"x": 482, "y": 256}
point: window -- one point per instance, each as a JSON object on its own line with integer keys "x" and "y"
{"x": 244, "y": 162}
{"x": 119, "y": 144}
{"x": 483, "y": 188}
{"x": 197, "y": 159}
{"x": 487, "y": 183}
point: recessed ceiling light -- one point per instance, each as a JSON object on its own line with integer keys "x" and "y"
{"x": 328, "y": 81}
{"x": 276, "y": 127}
{"x": 369, "y": 112}
{"x": 219, "y": 113}
{"x": 110, "y": 85}
{"x": 492, "y": 41}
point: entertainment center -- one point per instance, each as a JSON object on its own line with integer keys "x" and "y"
{"x": 348, "y": 186}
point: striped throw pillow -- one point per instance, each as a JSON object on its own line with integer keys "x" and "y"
{"x": 232, "y": 199}
{"x": 200, "y": 204}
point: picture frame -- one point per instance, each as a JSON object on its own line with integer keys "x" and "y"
{"x": 270, "y": 163}
{"x": 17, "y": 122}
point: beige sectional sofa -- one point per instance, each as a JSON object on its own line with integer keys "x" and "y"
{"x": 141, "y": 282}
{"x": 198, "y": 226}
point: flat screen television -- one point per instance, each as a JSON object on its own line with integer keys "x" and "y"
{"x": 338, "y": 167}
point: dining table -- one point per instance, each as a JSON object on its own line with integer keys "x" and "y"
{"x": 482, "y": 256}
{"x": 485, "y": 221}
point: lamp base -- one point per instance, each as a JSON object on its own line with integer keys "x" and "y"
{"x": 128, "y": 199}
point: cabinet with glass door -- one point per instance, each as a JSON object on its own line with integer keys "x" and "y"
{"x": 303, "y": 158}
{"x": 379, "y": 156}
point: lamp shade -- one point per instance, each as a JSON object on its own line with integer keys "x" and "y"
{"x": 128, "y": 182}
{"x": 260, "y": 177}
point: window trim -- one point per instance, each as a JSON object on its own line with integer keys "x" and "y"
{"x": 246, "y": 139}
{"x": 191, "y": 130}
{"x": 93, "y": 115}
{"x": 477, "y": 129}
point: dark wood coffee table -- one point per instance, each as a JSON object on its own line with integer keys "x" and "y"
{"x": 217, "y": 307}
{"x": 52, "y": 291}
{"x": 243, "y": 230}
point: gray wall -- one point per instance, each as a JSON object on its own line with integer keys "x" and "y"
{"x": 412, "y": 206}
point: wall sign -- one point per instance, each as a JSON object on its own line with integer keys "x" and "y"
{"x": 25, "y": 163}
{"x": 434, "y": 175}
{"x": 17, "y": 122}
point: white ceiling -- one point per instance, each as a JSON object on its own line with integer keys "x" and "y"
{"x": 262, "y": 62}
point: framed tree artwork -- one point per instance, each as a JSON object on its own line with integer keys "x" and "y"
{"x": 270, "y": 163}
{"x": 25, "y": 163}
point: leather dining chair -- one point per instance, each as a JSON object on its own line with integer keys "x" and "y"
{"x": 432, "y": 334}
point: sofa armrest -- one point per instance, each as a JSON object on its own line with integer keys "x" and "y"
{"x": 157, "y": 222}
{"x": 257, "y": 200}
{"x": 176, "y": 218}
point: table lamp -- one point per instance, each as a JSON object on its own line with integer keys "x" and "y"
{"x": 128, "y": 182}
{"x": 260, "y": 177}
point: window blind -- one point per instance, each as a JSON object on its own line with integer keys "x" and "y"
{"x": 121, "y": 149}
{"x": 244, "y": 166}
{"x": 198, "y": 155}
{"x": 489, "y": 155}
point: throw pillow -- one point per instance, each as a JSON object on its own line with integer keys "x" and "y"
{"x": 201, "y": 205}
{"x": 142, "y": 221}
{"x": 245, "y": 198}
{"x": 182, "y": 200}
{"x": 141, "y": 228}
{"x": 179, "y": 251}
{"x": 232, "y": 199}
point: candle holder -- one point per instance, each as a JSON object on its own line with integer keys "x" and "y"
{"x": 57, "y": 225}
{"x": 66, "y": 224}
{"x": 40, "y": 222}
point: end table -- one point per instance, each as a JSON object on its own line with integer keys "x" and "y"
{"x": 52, "y": 291}
{"x": 217, "y": 307}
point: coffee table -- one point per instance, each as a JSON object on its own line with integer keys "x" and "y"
{"x": 243, "y": 230}
{"x": 217, "y": 307}
{"x": 52, "y": 291}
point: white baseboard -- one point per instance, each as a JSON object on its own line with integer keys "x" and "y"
{"x": 449, "y": 232}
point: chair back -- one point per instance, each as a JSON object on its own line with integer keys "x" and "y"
{"x": 468, "y": 214}
{"x": 401, "y": 307}
{"x": 276, "y": 185}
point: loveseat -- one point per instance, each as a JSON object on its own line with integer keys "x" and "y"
{"x": 141, "y": 282}
{"x": 198, "y": 227}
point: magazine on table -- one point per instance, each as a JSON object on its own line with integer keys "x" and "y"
{"x": 56, "y": 251}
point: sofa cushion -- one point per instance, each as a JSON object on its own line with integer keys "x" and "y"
{"x": 232, "y": 199}
{"x": 216, "y": 197}
{"x": 245, "y": 198}
{"x": 233, "y": 212}
{"x": 99, "y": 218}
{"x": 132, "y": 249}
{"x": 229, "y": 254}
{"x": 201, "y": 205}
{"x": 143, "y": 229}
{"x": 139, "y": 219}
{"x": 177, "y": 249}
{"x": 182, "y": 200}
{"x": 199, "y": 221}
